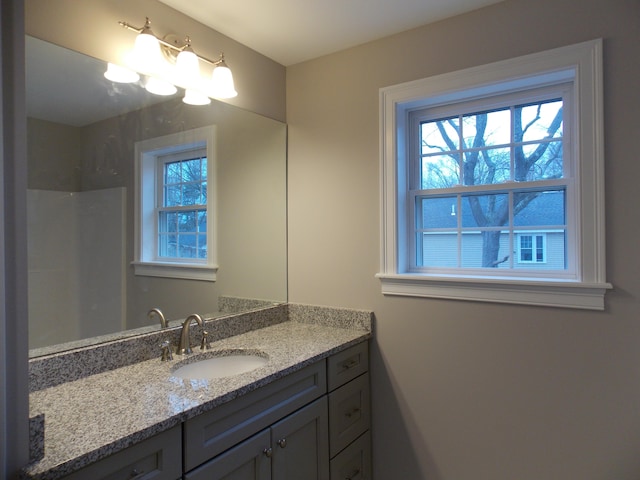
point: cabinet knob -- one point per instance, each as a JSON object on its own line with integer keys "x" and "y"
{"x": 282, "y": 442}
{"x": 268, "y": 452}
{"x": 355, "y": 474}
{"x": 353, "y": 412}
{"x": 135, "y": 473}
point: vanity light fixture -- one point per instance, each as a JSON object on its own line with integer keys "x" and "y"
{"x": 166, "y": 65}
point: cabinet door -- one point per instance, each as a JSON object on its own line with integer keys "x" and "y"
{"x": 301, "y": 444}
{"x": 157, "y": 458}
{"x": 249, "y": 460}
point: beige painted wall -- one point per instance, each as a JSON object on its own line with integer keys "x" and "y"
{"x": 91, "y": 27}
{"x": 462, "y": 390}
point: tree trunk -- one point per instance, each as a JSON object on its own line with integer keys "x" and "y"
{"x": 490, "y": 248}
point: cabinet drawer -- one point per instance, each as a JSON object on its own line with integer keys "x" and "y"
{"x": 349, "y": 413}
{"x": 158, "y": 458}
{"x": 247, "y": 460}
{"x": 213, "y": 432}
{"x": 347, "y": 365}
{"x": 354, "y": 462}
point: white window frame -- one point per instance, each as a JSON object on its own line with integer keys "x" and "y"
{"x": 580, "y": 64}
{"x": 534, "y": 246}
{"x": 148, "y": 158}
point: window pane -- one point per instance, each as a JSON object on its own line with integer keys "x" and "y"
{"x": 191, "y": 170}
{"x": 204, "y": 169}
{"x": 191, "y": 194}
{"x": 486, "y": 129}
{"x": 167, "y": 245}
{"x": 548, "y": 163}
{"x": 187, "y": 221}
{"x": 172, "y": 196}
{"x": 202, "y": 222}
{"x": 438, "y": 250}
{"x": 485, "y": 249}
{"x": 541, "y": 251}
{"x": 173, "y": 173}
{"x": 167, "y": 222}
{"x": 440, "y": 136}
{"x": 485, "y": 210}
{"x": 187, "y": 243}
{"x": 486, "y": 167}
{"x": 539, "y": 208}
{"x": 538, "y": 121}
{"x": 438, "y": 212}
{"x": 441, "y": 171}
{"x": 202, "y": 246}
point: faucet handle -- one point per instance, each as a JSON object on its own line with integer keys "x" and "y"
{"x": 205, "y": 345}
{"x": 166, "y": 351}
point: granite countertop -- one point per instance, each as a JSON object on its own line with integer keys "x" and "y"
{"x": 93, "y": 417}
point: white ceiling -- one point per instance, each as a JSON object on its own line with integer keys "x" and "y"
{"x": 292, "y": 31}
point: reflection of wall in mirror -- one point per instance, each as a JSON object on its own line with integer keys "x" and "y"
{"x": 76, "y": 255}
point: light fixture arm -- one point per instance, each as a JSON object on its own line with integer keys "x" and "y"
{"x": 147, "y": 29}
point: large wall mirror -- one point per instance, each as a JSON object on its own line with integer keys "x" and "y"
{"x": 82, "y": 131}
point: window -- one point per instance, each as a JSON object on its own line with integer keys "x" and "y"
{"x": 531, "y": 248}
{"x": 175, "y": 206}
{"x": 479, "y": 177}
{"x": 492, "y": 182}
{"x": 182, "y": 205}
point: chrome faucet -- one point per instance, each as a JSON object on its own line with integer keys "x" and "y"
{"x": 184, "y": 347}
{"x": 157, "y": 312}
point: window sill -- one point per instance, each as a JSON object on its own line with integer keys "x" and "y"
{"x": 176, "y": 270}
{"x": 589, "y": 296}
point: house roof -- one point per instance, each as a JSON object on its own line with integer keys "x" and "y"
{"x": 546, "y": 209}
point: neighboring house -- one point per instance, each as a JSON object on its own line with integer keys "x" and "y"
{"x": 537, "y": 240}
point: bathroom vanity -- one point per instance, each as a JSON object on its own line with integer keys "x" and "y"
{"x": 304, "y": 414}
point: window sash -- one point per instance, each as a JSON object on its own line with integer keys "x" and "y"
{"x": 162, "y": 250}
{"x": 411, "y": 209}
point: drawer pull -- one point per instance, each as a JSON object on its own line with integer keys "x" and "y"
{"x": 135, "y": 473}
{"x": 355, "y": 474}
{"x": 282, "y": 442}
{"x": 348, "y": 365}
{"x": 352, "y": 412}
{"x": 268, "y": 452}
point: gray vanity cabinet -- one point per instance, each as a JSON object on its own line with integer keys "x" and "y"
{"x": 312, "y": 424}
{"x": 294, "y": 448}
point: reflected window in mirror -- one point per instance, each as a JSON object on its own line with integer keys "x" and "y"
{"x": 175, "y": 206}
{"x": 181, "y": 206}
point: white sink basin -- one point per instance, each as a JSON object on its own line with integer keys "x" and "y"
{"x": 224, "y": 365}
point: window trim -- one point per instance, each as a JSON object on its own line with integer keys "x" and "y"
{"x": 581, "y": 64}
{"x": 534, "y": 247}
{"x": 147, "y": 153}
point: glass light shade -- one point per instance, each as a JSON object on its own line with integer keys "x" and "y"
{"x": 159, "y": 87}
{"x": 147, "y": 54}
{"x": 119, "y": 74}
{"x": 222, "y": 82}
{"x": 187, "y": 68}
{"x": 194, "y": 97}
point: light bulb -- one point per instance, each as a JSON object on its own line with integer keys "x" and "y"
{"x": 194, "y": 97}
{"x": 119, "y": 74}
{"x": 147, "y": 53}
{"x": 187, "y": 68}
{"x": 222, "y": 82}
{"x": 159, "y": 87}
